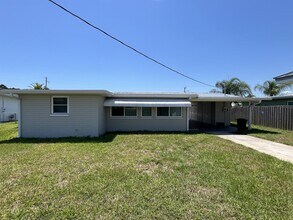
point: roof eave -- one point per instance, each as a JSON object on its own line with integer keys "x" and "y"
{"x": 53, "y": 92}
{"x": 153, "y": 95}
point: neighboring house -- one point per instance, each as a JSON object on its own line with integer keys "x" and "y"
{"x": 286, "y": 78}
{"x": 283, "y": 99}
{"x": 9, "y": 107}
{"x": 64, "y": 113}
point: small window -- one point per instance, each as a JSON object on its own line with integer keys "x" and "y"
{"x": 163, "y": 111}
{"x": 290, "y": 102}
{"x": 130, "y": 111}
{"x": 117, "y": 111}
{"x": 146, "y": 112}
{"x": 59, "y": 105}
{"x": 175, "y": 111}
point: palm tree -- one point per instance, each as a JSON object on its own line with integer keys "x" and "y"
{"x": 271, "y": 88}
{"x": 235, "y": 86}
{"x": 37, "y": 86}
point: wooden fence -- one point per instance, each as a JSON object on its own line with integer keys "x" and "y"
{"x": 271, "y": 116}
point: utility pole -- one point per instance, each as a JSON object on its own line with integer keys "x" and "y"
{"x": 46, "y": 82}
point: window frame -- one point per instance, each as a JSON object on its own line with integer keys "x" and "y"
{"x": 149, "y": 116}
{"x": 289, "y": 102}
{"x": 123, "y": 116}
{"x": 169, "y": 113}
{"x": 59, "y": 113}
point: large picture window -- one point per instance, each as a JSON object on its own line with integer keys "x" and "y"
{"x": 124, "y": 111}
{"x": 169, "y": 112}
{"x": 60, "y": 105}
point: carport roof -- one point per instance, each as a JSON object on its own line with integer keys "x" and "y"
{"x": 220, "y": 97}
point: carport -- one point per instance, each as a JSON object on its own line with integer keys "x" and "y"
{"x": 213, "y": 110}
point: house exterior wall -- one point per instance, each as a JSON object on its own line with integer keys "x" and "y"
{"x": 274, "y": 102}
{"x": 222, "y": 113}
{"x": 8, "y": 106}
{"x": 83, "y": 118}
{"x": 146, "y": 124}
{"x": 211, "y": 113}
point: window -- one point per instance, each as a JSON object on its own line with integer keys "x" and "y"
{"x": 169, "y": 111}
{"x": 117, "y": 111}
{"x": 60, "y": 105}
{"x": 175, "y": 111}
{"x": 290, "y": 102}
{"x": 163, "y": 111}
{"x": 124, "y": 111}
{"x": 130, "y": 111}
{"x": 146, "y": 112}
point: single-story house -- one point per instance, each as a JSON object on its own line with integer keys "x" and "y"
{"x": 9, "y": 107}
{"x": 64, "y": 113}
{"x": 283, "y": 99}
{"x": 286, "y": 78}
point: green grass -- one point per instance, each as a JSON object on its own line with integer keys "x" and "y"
{"x": 140, "y": 176}
{"x": 271, "y": 134}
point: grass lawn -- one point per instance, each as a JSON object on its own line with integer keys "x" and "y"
{"x": 272, "y": 134}
{"x": 146, "y": 176}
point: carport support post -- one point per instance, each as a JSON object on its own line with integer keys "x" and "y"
{"x": 249, "y": 115}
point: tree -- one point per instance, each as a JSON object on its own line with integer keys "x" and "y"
{"x": 38, "y": 86}
{"x": 2, "y": 86}
{"x": 235, "y": 86}
{"x": 271, "y": 88}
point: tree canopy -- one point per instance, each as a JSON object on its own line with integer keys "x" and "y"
{"x": 271, "y": 88}
{"x": 38, "y": 86}
{"x": 235, "y": 86}
{"x": 2, "y": 86}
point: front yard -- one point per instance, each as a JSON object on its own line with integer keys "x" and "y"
{"x": 131, "y": 176}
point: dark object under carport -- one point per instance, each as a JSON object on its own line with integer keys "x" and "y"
{"x": 241, "y": 124}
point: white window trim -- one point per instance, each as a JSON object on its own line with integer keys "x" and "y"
{"x": 123, "y": 117}
{"x": 147, "y": 117}
{"x": 169, "y": 116}
{"x": 52, "y": 105}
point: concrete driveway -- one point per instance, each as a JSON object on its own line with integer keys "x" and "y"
{"x": 280, "y": 151}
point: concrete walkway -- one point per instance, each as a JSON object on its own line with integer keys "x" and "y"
{"x": 280, "y": 151}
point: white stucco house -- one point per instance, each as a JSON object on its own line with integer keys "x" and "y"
{"x": 9, "y": 107}
{"x": 78, "y": 113}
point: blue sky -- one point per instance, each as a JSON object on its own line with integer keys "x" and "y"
{"x": 207, "y": 40}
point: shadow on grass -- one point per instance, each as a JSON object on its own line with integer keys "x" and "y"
{"x": 256, "y": 131}
{"x": 260, "y": 131}
{"x": 106, "y": 138}
{"x": 109, "y": 137}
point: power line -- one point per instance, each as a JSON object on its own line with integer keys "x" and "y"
{"x": 128, "y": 46}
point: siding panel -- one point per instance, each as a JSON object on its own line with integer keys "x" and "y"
{"x": 83, "y": 119}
